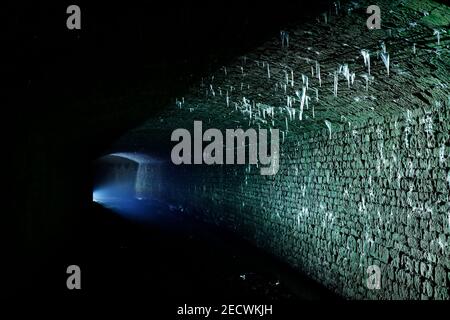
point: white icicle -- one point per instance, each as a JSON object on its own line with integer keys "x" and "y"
{"x": 367, "y": 78}
{"x": 328, "y": 124}
{"x": 414, "y": 48}
{"x": 335, "y": 84}
{"x": 383, "y": 47}
{"x": 366, "y": 56}
{"x": 318, "y": 73}
{"x": 268, "y": 71}
{"x": 305, "y": 81}
{"x": 292, "y": 78}
{"x": 302, "y": 102}
{"x": 437, "y": 33}
{"x": 346, "y": 73}
{"x": 385, "y": 58}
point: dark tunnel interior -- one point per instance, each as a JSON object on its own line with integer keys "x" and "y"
{"x": 362, "y": 174}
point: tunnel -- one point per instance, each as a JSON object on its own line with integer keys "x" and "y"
{"x": 276, "y": 157}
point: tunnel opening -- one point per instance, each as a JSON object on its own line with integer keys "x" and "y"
{"x": 126, "y": 183}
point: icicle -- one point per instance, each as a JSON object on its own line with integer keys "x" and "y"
{"x": 383, "y": 47}
{"x": 212, "y": 90}
{"x": 317, "y": 94}
{"x": 414, "y": 48}
{"x": 325, "y": 17}
{"x": 289, "y": 113}
{"x": 328, "y": 124}
{"x": 318, "y": 73}
{"x": 305, "y": 81}
{"x": 335, "y": 84}
{"x": 302, "y": 101}
{"x": 385, "y": 58}
{"x": 292, "y": 78}
{"x": 366, "y": 56}
{"x": 437, "y": 33}
{"x": 288, "y": 103}
{"x": 242, "y": 71}
{"x": 225, "y": 70}
{"x": 268, "y": 71}
{"x": 228, "y": 100}
{"x": 366, "y": 77}
{"x": 353, "y": 77}
{"x": 312, "y": 72}
{"x": 284, "y": 39}
{"x": 286, "y": 122}
{"x": 346, "y": 72}
{"x": 282, "y": 135}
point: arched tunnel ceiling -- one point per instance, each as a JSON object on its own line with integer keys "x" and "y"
{"x": 269, "y": 79}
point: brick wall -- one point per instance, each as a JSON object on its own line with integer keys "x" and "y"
{"x": 375, "y": 193}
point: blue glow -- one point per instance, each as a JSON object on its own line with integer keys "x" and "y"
{"x": 125, "y": 203}
{"x": 121, "y": 195}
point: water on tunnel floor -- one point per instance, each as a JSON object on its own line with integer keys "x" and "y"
{"x": 145, "y": 248}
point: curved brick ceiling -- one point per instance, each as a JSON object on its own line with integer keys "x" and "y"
{"x": 245, "y": 92}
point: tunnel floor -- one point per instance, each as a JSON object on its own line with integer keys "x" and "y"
{"x": 150, "y": 250}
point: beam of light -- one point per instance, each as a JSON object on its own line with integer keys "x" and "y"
{"x": 121, "y": 196}
{"x": 123, "y": 201}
